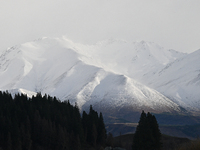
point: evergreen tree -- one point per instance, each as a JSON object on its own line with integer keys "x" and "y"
{"x": 101, "y": 138}
{"x": 110, "y": 140}
{"x": 153, "y": 124}
{"x": 147, "y": 135}
{"x": 9, "y": 142}
{"x": 94, "y": 128}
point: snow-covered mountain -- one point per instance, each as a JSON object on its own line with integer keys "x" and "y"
{"x": 110, "y": 75}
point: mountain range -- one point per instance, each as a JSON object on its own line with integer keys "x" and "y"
{"x": 115, "y": 76}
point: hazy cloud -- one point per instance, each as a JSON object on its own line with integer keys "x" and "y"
{"x": 172, "y": 23}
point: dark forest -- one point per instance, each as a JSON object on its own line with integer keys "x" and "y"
{"x": 45, "y": 123}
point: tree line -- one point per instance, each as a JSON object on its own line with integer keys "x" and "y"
{"x": 45, "y": 123}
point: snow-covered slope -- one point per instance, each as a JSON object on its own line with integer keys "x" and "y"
{"x": 180, "y": 80}
{"x": 111, "y": 74}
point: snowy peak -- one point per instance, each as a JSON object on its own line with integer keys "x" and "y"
{"x": 119, "y": 91}
{"x": 36, "y": 63}
{"x": 150, "y": 50}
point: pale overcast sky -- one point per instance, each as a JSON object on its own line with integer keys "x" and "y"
{"x": 172, "y": 24}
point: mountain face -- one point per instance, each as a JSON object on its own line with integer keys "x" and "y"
{"x": 110, "y": 75}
